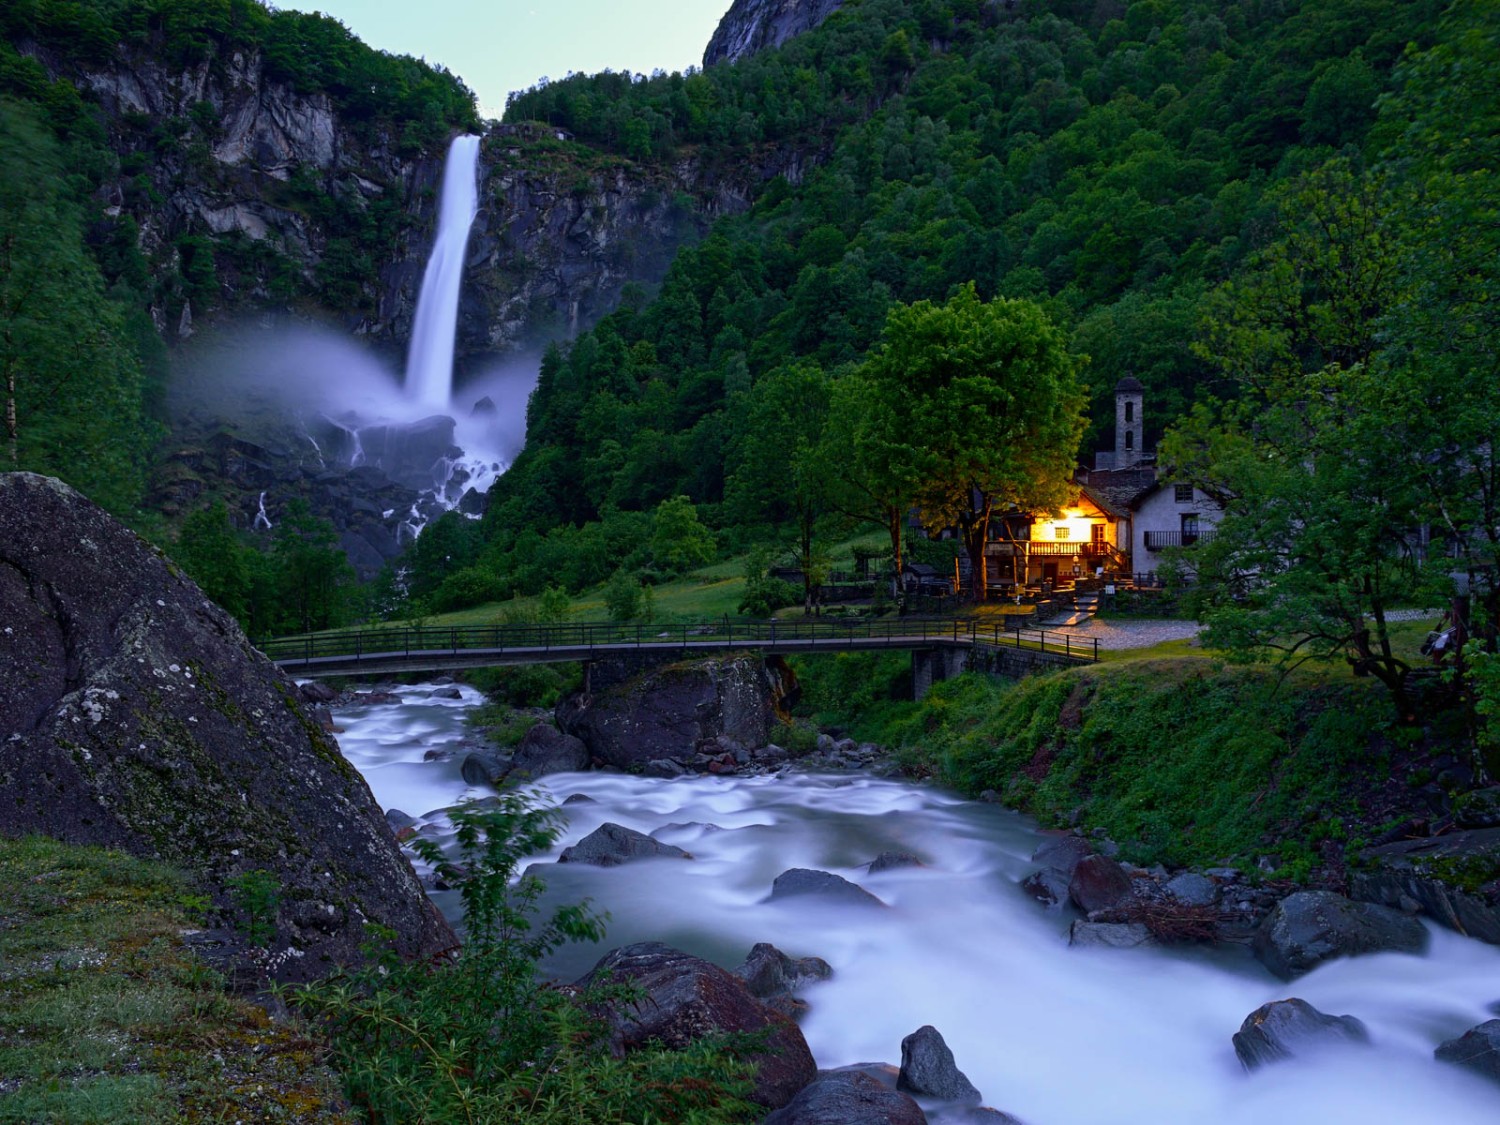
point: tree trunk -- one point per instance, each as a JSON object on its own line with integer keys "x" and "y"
{"x": 975, "y": 527}
{"x": 893, "y": 523}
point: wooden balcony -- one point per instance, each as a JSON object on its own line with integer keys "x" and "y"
{"x": 1049, "y": 549}
{"x": 1157, "y": 540}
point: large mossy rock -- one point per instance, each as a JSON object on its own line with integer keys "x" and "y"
{"x": 134, "y": 714}
{"x": 848, "y": 1097}
{"x": 668, "y": 712}
{"x": 683, "y": 998}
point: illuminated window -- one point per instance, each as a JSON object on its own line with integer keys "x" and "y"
{"x": 1062, "y": 532}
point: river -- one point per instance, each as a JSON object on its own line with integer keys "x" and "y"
{"x": 1052, "y": 1034}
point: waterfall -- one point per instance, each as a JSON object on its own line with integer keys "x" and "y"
{"x": 429, "y": 363}
{"x": 262, "y": 521}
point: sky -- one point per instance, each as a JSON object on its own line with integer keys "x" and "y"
{"x": 497, "y": 46}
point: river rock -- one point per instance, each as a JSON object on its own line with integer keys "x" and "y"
{"x": 1307, "y": 928}
{"x": 975, "y": 1115}
{"x": 316, "y": 691}
{"x": 774, "y": 977}
{"x": 889, "y": 861}
{"x": 684, "y": 998}
{"x": 484, "y": 767}
{"x": 665, "y": 712}
{"x": 1191, "y": 889}
{"x": 1478, "y": 1049}
{"x": 848, "y": 1097}
{"x": 610, "y": 845}
{"x": 801, "y": 881}
{"x": 544, "y": 749}
{"x": 1099, "y": 883}
{"x": 928, "y": 1069}
{"x": 1478, "y": 809}
{"x": 1062, "y": 854}
{"x": 1109, "y": 935}
{"x": 138, "y": 717}
{"x": 1410, "y": 871}
{"x": 1047, "y": 887}
{"x": 1283, "y": 1028}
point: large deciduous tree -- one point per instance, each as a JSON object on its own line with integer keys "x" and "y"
{"x": 990, "y": 400}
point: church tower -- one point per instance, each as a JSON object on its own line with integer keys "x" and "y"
{"x": 1130, "y": 396}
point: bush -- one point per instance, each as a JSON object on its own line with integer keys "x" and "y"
{"x": 481, "y": 1038}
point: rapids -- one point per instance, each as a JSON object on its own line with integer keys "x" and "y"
{"x": 1055, "y": 1035}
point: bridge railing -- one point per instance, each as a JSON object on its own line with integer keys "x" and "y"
{"x": 589, "y": 638}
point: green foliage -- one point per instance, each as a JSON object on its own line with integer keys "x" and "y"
{"x": 71, "y": 382}
{"x": 481, "y": 1038}
{"x": 867, "y": 693}
{"x": 257, "y": 894}
{"x": 679, "y": 541}
{"x": 627, "y": 598}
{"x": 210, "y": 551}
{"x": 528, "y": 685}
{"x": 553, "y": 606}
{"x": 1161, "y": 756}
{"x": 764, "y": 595}
{"x": 107, "y": 1017}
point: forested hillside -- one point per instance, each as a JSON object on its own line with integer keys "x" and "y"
{"x": 1115, "y": 163}
{"x": 138, "y": 190}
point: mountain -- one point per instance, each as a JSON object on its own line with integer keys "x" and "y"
{"x": 758, "y": 25}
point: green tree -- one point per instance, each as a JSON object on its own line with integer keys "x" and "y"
{"x": 312, "y": 575}
{"x": 778, "y": 479}
{"x": 1318, "y": 538}
{"x": 993, "y": 407}
{"x": 627, "y": 599}
{"x": 73, "y": 385}
{"x": 679, "y": 541}
{"x": 210, "y": 551}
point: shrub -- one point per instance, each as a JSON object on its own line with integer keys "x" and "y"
{"x": 481, "y": 1038}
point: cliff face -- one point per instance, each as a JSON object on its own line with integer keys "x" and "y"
{"x": 248, "y": 197}
{"x": 759, "y": 25}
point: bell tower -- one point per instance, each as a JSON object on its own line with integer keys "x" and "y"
{"x": 1130, "y": 397}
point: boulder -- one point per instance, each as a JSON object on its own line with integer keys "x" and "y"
{"x": 665, "y": 712}
{"x": 1192, "y": 890}
{"x": 316, "y": 691}
{"x": 889, "y": 861}
{"x": 684, "y": 998}
{"x": 848, "y": 1097}
{"x": 484, "y": 767}
{"x": 1412, "y": 871}
{"x": 1099, "y": 883}
{"x": 1307, "y": 928}
{"x": 1062, "y": 854}
{"x": 139, "y": 717}
{"x": 1109, "y": 935}
{"x": 771, "y": 975}
{"x": 1478, "y": 809}
{"x": 1283, "y": 1028}
{"x": 1478, "y": 1049}
{"x": 977, "y": 1115}
{"x": 544, "y": 749}
{"x": 928, "y": 1069}
{"x": 610, "y": 845}
{"x": 798, "y": 882}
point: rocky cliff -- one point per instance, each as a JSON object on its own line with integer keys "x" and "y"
{"x": 135, "y": 715}
{"x": 759, "y": 25}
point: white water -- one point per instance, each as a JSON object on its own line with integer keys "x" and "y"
{"x": 429, "y": 364}
{"x": 1055, "y": 1035}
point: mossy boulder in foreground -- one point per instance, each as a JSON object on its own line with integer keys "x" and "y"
{"x": 134, "y": 714}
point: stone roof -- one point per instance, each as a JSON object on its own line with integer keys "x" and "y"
{"x": 1129, "y": 383}
{"x": 1116, "y": 490}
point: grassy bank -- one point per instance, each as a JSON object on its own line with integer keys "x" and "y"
{"x": 107, "y": 1016}
{"x": 1180, "y": 759}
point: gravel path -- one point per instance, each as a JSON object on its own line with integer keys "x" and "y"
{"x": 1134, "y": 632}
{"x": 1145, "y": 632}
